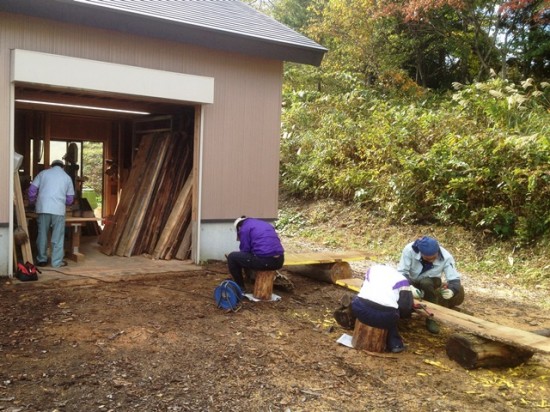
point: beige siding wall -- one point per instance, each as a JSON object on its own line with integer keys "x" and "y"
{"x": 241, "y": 128}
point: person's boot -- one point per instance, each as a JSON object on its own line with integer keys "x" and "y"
{"x": 344, "y": 318}
{"x": 432, "y": 325}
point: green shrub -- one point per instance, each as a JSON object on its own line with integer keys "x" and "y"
{"x": 480, "y": 158}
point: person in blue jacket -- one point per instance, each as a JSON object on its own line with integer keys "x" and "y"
{"x": 259, "y": 248}
{"x": 424, "y": 262}
{"x": 52, "y": 190}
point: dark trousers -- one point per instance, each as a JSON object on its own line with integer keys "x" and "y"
{"x": 431, "y": 287}
{"x": 378, "y": 316}
{"x": 237, "y": 261}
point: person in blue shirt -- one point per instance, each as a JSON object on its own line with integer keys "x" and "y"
{"x": 424, "y": 262}
{"x": 52, "y": 190}
{"x": 259, "y": 248}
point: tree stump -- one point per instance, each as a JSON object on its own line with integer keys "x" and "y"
{"x": 367, "y": 338}
{"x": 263, "y": 284}
{"x": 473, "y": 352}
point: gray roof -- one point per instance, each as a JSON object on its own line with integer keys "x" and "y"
{"x": 228, "y": 25}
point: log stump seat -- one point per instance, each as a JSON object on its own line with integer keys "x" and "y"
{"x": 368, "y": 338}
{"x": 263, "y": 284}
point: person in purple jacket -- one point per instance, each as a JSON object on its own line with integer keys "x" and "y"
{"x": 259, "y": 248}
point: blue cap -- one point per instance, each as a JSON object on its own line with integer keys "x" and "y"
{"x": 427, "y": 246}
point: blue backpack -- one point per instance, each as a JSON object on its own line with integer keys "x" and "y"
{"x": 228, "y": 295}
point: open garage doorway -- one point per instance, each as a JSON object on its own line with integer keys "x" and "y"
{"x": 129, "y": 170}
{"x": 131, "y": 109}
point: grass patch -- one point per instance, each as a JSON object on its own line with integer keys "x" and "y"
{"x": 335, "y": 225}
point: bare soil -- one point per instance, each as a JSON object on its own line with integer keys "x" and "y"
{"x": 159, "y": 343}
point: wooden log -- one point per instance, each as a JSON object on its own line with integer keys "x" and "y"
{"x": 367, "y": 338}
{"x": 325, "y": 272}
{"x": 263, "y": 285}
{"x": 473, "y": 352}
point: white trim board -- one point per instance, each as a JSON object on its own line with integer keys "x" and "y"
{"x": 84, "y": 74}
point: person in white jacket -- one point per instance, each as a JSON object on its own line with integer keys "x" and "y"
{"x": 384, "y": 298}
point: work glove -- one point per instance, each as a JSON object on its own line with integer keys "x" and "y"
{"x": 417, "y": 293}
{"x": 447, "y": 293}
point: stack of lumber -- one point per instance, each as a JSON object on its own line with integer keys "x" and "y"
{"x": 153, "y": 215}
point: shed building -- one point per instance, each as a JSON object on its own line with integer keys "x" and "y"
{"x": 174, "y": 96}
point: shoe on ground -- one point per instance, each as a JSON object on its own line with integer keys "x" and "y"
{"x": 397, "y": 349}
{"x": 432, "y": 326}
{"x": 41, "y": 264}
{"x": 343, "y": 318}
{"x": 63, "y": 264}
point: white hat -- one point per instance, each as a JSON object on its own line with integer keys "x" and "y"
{"x": 239, "y": 220}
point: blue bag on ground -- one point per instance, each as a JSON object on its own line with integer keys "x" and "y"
{"x": 228, "y": 295}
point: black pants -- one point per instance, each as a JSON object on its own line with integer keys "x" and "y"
{"x": 378, "y": 316}
{"x": 431, "y": 287}
{"x": 237, "y": 261}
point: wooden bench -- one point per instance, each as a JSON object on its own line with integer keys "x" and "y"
{"x": 518, "y": 338}
{"x": 76, "y": 223}
{"x": 323, "y": 266}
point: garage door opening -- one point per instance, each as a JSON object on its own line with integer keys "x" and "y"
{"x": 132, "y": 171}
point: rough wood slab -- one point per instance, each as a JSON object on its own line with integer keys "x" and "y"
{"x": 351, "y": 284}
{"x": 293, "y": 259}
{"x": 491, "y": 330}
{"x": 484, "y": 328}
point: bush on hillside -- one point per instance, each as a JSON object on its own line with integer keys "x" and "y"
{"x": 479, "y": 158}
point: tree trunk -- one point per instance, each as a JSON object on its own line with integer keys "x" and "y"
{"x": 473, "y": 352}
{"x": 325, "y": 272}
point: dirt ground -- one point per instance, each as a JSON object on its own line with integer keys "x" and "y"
{"x": 159, "y": 343}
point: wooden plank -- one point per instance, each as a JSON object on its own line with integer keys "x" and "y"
{"x": 76, "y": 219}
{"x": 184, "y": 249}
{"x": 490, "y": 330}
{"x": 294, "y": 259}
{"x": 170, "y": 182}
{"x": 139, "y": 209}
{"x": 26, "y": 252}
{"x": 69, "y": 219}
{"x": 484, "y": 328}
{"x": 351, "y": 284}
{"x": 182, "y": 206}
{"x": 118, "y": 220}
